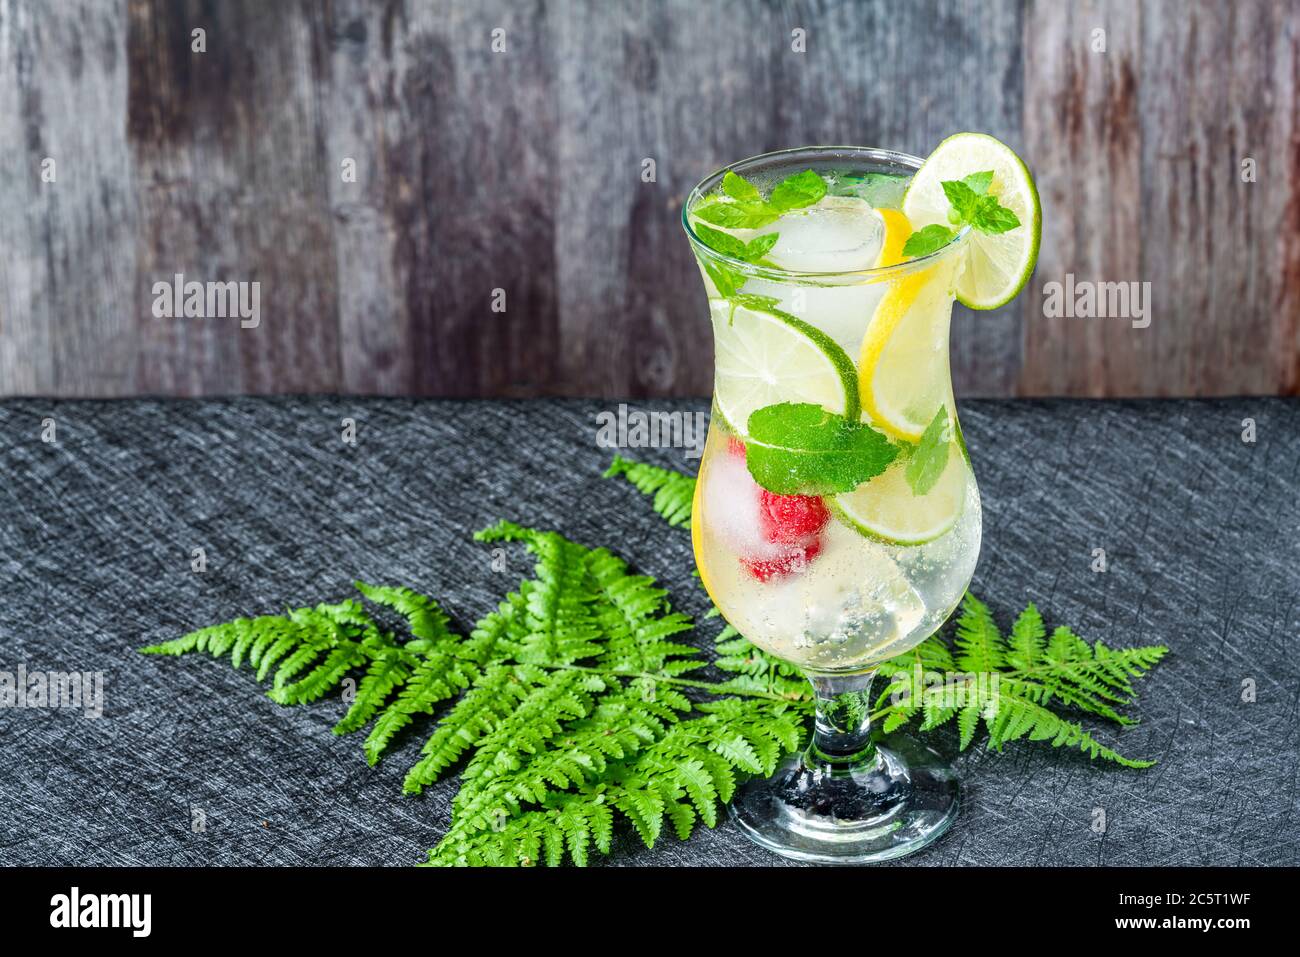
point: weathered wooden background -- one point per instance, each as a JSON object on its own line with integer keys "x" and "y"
{"x": 521, "y": 170}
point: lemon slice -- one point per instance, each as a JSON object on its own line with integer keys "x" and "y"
{"x": 997, "y": 266}
{"x": 697, "y": 536}
{"x": 884, "y": 509}
{"x": 902, "y": 369}
{"x": 764, "y": 356}
{"x": 897, "y": 228}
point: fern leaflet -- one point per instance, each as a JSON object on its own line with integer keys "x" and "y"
{"x": 672, "y": 491}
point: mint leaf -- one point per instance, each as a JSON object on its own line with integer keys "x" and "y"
{"x": 738, "y": 215}
{"x": 737, "y": 187}
{"x": 749, "y": 211}
{"x": 729, "y": 245}
{"x": 963, "y": 200}
{"x": 759, "y": 246}
{"x": 992, "y": 217}
{"x": 797, "y": 191}
{"x": 979, "y": 182}
{"x": 722, "y": 242}
{"x": 800, "y": 448}
{"x": 931, "y": 456}
{"x": 972, "y": 208}
{"x": 928, "y": 240}
{"x": 727, "y": 279}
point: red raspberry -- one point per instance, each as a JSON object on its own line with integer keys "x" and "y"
{"x": 735, "y": 446}
{"x": 794, "y": 561}
{"x": 792, "y": 519}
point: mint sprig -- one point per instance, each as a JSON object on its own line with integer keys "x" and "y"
{"x": 798, "y": 448}
{"x": 727, "y": 278}
{"x": 748, "y": 209}
{"x": 729, "y": 245}
{"x": 970, "y": 204}
{"x": 745, "y": 208}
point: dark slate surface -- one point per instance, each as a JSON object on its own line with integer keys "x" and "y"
{"x": 96, "y": 531}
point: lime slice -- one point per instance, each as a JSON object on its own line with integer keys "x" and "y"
{"x": 885, "y": 509}
{"x": 997, "y": 266}
{"x": 765, "y": 356}
{"x": 902, "y": 369}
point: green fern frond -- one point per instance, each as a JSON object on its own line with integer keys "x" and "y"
{"x": 677, "y": 780}
{"x": 968, "y": 720}
{"x": 754, "y": 670}
{"x": 558, "y": 698}
{"x": 434, "y": 680}
{"x": 1015, "y": 718}
{"x": 1026, "y": 643}
{"x": 425, "y": 619}
{"x": 979, "y": 643}
{"x": 233, "y": 638}
{"x": 673, "y": 491}
{"x": 495, "y": 696}
{"x": 1093, "y": 678}
{"x": 1013, "y": 700}
{"x": 309, "y": 652}
{"x": 569, "y": 713}
{"x": 561, "y": 626}
{"x": 636, "y": 619}
{"x": 323, "y": 678}
{"x": 390, "y": 667}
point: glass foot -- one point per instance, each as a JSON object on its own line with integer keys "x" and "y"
{"x": 900, "y": 797}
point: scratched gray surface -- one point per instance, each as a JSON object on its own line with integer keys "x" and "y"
{"x": 1200, "y": 532}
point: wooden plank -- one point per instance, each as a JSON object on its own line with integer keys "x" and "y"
{"x": 360, "y": 58}
{"x": 468, "y": 194}
{"x": 1283, "y": 133}
{"x": 1083, "y": 144}
{"x": 67, "y": 255}
{"x": 230, "y": 186}
{"x": 1139, "y": 153}
{"x": 652, "y": 85}
{"x": 1213, "y": 245}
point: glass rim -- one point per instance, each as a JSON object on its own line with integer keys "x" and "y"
{"x": 871, "y": 275}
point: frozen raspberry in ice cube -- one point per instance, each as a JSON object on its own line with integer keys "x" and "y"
{"x": 791, "y": 519}
{"x": 795, "y": 559}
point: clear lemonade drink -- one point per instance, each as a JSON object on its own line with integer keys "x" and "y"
{"x": 837, "y": 520}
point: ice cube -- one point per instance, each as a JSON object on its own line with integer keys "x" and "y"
{"x": 835, "y": 234}
{"x": 731, "y": 500}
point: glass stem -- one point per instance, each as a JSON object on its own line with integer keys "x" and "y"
{"x": 842, "y": 735}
